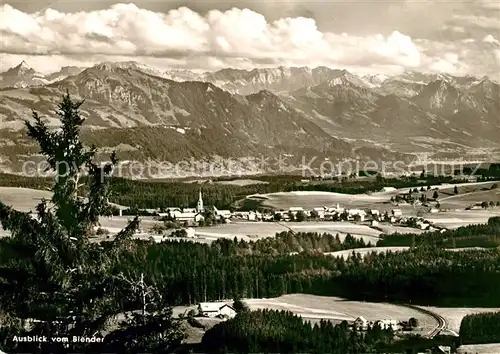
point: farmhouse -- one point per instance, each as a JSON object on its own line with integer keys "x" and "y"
{"x": 189, "y": 210}
{"x": 214, "y": 309}
{"x": 295, "y": 210}
{"x": 187, "y": 216}
{"x": 254, "y": 216}
{"x": 422, "y": 225}
{"x": 396, "y": 212}
{"x": 357, "y": 212}
{"x": 321, "y": 212}
{"x": 361, "y": 323}
{"x": 226, "y": 214}
{"x": 386, "y": 324}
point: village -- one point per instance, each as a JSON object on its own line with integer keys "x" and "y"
{"x": 186, "y": 219}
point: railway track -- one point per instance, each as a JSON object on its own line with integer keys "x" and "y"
{"x": 442, "y": 324}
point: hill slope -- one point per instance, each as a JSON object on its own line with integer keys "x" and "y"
{"x": 150, "y": 117}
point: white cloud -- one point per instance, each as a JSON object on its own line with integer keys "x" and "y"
{"x": 480, "y": 21}
{"x": 490, "y": 4}
{"x": 458, "y": 29}
{"x": 126, "y": 30}
{"x": 490, "y": 39}
{"x": 236, "y": 38}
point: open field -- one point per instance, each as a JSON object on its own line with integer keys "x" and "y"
{"x": 454, "y": 315}
{"x": 462, "y": 201}
{"x": 117, "y": 223}
{"x": 364, "y": 251}
{"x": 256, "y": 230}
{"x": 308, "y": 200}
{"x": 241, "y": 182}
{"x": 249, "y": 231}
{"x": 378, "y": 200}
{"x": 388, "y": 229}
{"x": 443, "y": 188}
{"x": 455, "y": 219}
{"x": 493, "y": 348}
{"x": 242, "y": 230}
{"x": 23, "y": 199}
{"x": 314, "y": 307}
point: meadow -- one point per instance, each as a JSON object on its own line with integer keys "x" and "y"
{"x": 312, "y": 307}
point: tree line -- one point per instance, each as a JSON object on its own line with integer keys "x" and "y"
{"x": 480, "y": 328}
{"x": 189, "y": 273}
{"x": 159, "y": 195}
{"x": 271, "y": 331}
{"x": 483, "y": 235}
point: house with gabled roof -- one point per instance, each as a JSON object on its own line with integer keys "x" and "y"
{"x": 215, "y": 309}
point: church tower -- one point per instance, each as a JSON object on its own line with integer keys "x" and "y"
{"x": 199, "y": 206}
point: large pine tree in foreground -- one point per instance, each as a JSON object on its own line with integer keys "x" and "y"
{"x": 53, "y": 280}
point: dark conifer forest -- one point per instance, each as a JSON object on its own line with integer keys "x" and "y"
{"x": 487, "y": 235}
{"x": 480, "y": 328}
{"x": 266, "y": 331}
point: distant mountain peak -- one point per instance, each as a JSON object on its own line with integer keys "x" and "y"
{"x": 23, "y": 65}
{"x": 21, "y": 69}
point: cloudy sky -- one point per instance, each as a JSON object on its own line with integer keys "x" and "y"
{"x": 458, "y": 37}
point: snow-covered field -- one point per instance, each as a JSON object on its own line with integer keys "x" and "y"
{"x": 454, "y": 315}
{"x": 335, "y": 308}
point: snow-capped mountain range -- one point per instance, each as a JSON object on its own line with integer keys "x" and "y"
{"x": 23, "y": 75}
{"x": 280, "y": 79}
{"x": 179, "y": 114}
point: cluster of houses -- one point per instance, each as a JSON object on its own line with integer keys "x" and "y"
{"x": 362, "y": 324}
{"x": 339, "y": 213}
{"x": 195, "y": 216}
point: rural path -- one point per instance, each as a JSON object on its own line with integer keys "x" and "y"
{"x": 442, "y": 324}
{"x": 286, "y": 227}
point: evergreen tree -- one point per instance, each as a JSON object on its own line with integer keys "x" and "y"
{"x": 53, "y": 273}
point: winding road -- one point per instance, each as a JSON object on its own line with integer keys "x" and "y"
{"x": 442, "y": 324}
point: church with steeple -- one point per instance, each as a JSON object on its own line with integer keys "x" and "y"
{"x": 199, "y": 206}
